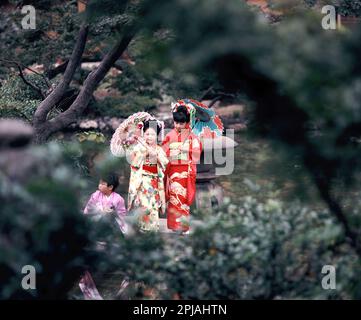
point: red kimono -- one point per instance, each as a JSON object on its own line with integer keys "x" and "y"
{"x": 183, "y": 151}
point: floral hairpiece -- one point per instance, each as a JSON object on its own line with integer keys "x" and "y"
{"x": 184, "y": 103}
{"x": 189, "y": 104}
{"x": 121, "y": 140}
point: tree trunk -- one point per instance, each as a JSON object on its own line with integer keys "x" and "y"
{"x": 41, "y": 113}
{"x": 43, "y": 127}
{"x": 72, "y": 114}
{"x": 42, "y": 133}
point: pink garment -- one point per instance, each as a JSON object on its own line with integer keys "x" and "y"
{"x": 100, "y": 203}
{"x": 88, "y": 287}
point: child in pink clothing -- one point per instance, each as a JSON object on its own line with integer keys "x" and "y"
{"x": 106, "y": 200}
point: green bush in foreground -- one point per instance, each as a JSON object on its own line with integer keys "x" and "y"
{"x": 255, "y": 250}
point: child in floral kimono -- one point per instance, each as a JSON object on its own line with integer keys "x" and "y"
{"x": 146, "y": 185}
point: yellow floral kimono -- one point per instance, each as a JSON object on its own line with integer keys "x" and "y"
{"x": 146, "y": 187}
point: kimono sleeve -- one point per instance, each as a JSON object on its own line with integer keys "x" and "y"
{"x": 120, "y": 211}
{"x": 91, "y": 204}
{"x": 196, "y": 151}
{"x": 120, "y": 207}
{"x": 165, "y": 144}
{"x": 138, "y": 156}
{"x": 162, "y": 158}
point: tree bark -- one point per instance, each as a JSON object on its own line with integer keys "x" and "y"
{"x": 90, "y": 84}
{"x": 45, "y": 128}
{"x": 41, "y": 113}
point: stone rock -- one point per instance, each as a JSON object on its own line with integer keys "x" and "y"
{"x": 19, "y": 164}
{"x": 230, "y": 111}
{"x": 100, "y": 123}
{"x": 115, "y": 122}
{"x": 16, "y": 160}
{"x": 14, "y": 133}
{"x": 238, "y": 126}
{"x": 90, "y": 66}
{"x": 88, "y": 124}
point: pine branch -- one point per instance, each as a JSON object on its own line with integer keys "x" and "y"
{"x": 20, "y": 68}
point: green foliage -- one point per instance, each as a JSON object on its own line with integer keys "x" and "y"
{"x": 121, "y": 107}
{"x": 349, "y": 8}
{"x": 42, "y": 225}
{"x": 252, "y": 250}
{"x": 93, "y": 159}
{"x": 56, "y": 29}
{"x": 39, "y": 4}
{"x": 260, "y": 247}
{"x": 18, "y": 99}
{"x": 249, "y": 249}
{"x": 296, "y": 56}
{"x": 288, "y": 7}
{"x": 344, "y": 7}
{"x": 310, "y": 2}
{"x": 259, "y": 164}
{"x": 97, "y": 9}
{"x": 91, "y": 136}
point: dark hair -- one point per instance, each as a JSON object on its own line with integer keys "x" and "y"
{"x": 152, "y": 124}
{"x": 181, "y": 115}
{"x": 111, "y": 179}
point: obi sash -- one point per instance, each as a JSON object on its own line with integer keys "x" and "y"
{"x": 151, "y": 169}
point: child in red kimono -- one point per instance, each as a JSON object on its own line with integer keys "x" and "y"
{"x": 183, "y": 149}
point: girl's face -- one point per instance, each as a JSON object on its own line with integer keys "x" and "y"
{"x": 150, "y": 136}
{"x": 179, "y": 126}
{"x": 104, "y": 188}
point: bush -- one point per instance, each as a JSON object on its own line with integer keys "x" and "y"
{"x": 17, "y": 99}
{"x": 121, "y": 107}
{"x": 349, "y": 8}
{"x": 254, "y": 250}
{"x": 42, "y": 225}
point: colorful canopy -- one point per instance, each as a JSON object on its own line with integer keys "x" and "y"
{"x": 204, "y": 121}
{"x": 127, "y": 134}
